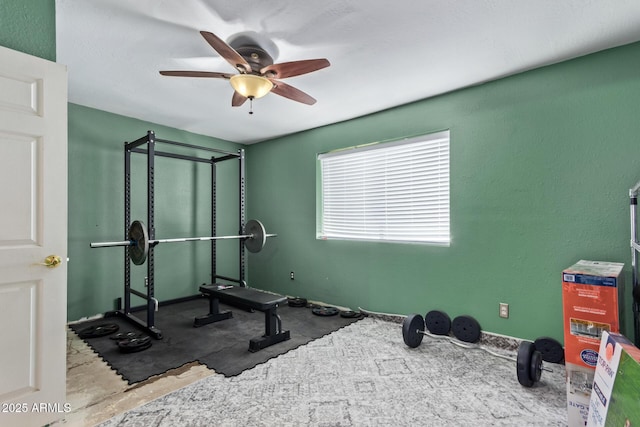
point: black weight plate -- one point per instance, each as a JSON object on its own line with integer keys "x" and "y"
{"x": 134, "y": 345}
{"x": 348, "y": 314}
{"x": 466, "y": 329}
{"x": 297, "y": 302}
{"x": 523, "y": 363}
{"x": 325, "y": 311}
{"x": 139, "y": 235}
{"x": 550, "y": 349}
{"x": 535, "y": 368}
{"x": 100, "y": 330}
{"x": 258, "y": 238}
{"x": 437, "y": 322}
{"x": 125, "y": 336}
{"x": 412, "y": 328}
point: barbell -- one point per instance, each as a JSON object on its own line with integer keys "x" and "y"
{"x": 139, "y": 243}
{"x": 529, "y": 357}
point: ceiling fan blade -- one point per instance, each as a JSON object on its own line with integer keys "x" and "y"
{"x": 294, "y": 68}
{"x": 237, "y": 99}
{"x": 227, "y": 52}
{"x": 291, "y": 92}
{"x": 211, "y": 74}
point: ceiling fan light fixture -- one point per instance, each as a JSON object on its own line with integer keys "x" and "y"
{"x": 251, "y": 86}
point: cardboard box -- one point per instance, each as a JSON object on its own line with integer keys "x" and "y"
{"x": 590, "y": 293}
{"x": 615, "y": 400}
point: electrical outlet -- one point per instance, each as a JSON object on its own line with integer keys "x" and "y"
{"x": 291, "y": 275}
{"x": 504, "y": 310}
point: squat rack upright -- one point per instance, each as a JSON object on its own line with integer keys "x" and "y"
{"x": 150, "y": 141}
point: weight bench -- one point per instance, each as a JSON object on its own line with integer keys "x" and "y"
{"x": 250, "y": 298}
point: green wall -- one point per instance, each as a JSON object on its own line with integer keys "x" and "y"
{"x": 541, "y": 164}
{"x": 29, "y": 26}
{"x": 182, "y": 209}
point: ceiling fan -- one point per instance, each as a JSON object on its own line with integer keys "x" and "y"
{"x": 258, "y": 75}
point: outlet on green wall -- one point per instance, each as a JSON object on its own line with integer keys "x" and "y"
{"x": 541, "y": 164}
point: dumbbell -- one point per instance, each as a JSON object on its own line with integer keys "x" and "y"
{"x": 531, "y": 355}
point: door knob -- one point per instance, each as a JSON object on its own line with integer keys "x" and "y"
{"x": 52, "y": 261}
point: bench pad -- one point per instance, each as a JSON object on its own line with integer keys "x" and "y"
{"x": 252, "y": 298}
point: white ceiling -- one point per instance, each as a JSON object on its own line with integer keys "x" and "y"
{"x": 382, "y": 53}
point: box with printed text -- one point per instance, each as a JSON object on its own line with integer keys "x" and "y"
{"x": 590, "y": 294}
{"x": 615, "y": 400}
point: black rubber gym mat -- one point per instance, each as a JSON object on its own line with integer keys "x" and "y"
{"x": 221, "y": 346}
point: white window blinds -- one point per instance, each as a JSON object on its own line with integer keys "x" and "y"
{"x": 396, "y": 191}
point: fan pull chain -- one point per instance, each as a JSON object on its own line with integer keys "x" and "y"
{"x": 251, "y": 105}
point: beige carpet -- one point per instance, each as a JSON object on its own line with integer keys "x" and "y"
{"x": 364, "y": 375}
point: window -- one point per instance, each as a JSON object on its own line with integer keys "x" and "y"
{"x": 394, "y": 191}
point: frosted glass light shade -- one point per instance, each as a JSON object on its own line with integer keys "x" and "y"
{"x": 250, "y": 85}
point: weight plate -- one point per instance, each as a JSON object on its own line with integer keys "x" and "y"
{"x": 348, "y": 314}
{"x": 550, "y": 349}
{"x": 412, "y": 328}
{"x": 466, "y": 329}
{"x": 523, "y": 363}
{"x": 325, "y": 311}
{"x": 437, "y": 322}
{"x": 134, "y": 345}
{"x": 139, "y": 238}
{"x": 258, "y": 238}
{"x": 297, "y": 302}
{"x": 535, "y": 367}
{"x": 125, "y": 336}
{"x": 96, "y": 331}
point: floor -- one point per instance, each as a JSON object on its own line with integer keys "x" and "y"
{"x": 96, "y": 393}
{"x": 362, "y": 374}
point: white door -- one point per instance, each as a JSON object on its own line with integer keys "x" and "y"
{"x": 33, "y": 225}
